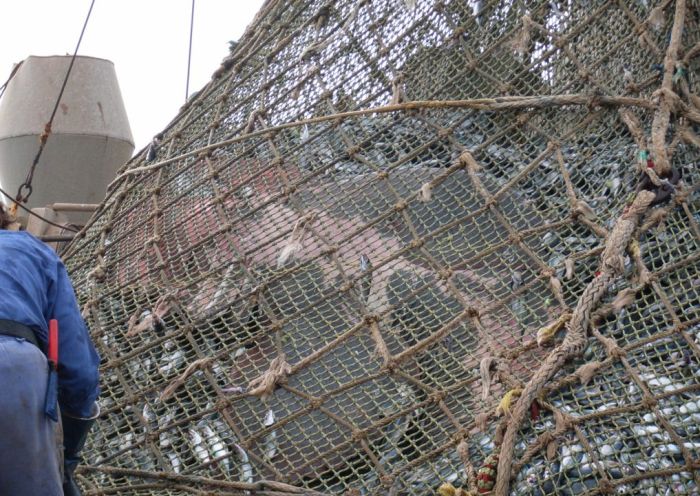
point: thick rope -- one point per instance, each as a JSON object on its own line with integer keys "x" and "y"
{"x": 273, "y": 487}
{"x": 575, "y": 340}
{"x": 483, "y": 104}
{"x": 665, "y": 94}
{"x": 180, "y": 380}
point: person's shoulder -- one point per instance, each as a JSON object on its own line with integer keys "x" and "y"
{"x": 25, "y": 240}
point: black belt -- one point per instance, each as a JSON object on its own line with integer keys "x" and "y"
{"x": 17, "y": 330}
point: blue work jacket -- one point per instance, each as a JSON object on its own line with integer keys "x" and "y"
{"x": 34, "y": 288}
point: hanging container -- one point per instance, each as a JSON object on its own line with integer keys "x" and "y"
{"x": 90, "y": 136}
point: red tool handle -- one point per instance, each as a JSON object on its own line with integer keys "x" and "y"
{"x": 53, "y": 341}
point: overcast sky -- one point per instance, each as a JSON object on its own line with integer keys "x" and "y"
{"x": 146, "y": 39}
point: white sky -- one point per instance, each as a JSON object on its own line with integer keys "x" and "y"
{"x": 146, "y": 39}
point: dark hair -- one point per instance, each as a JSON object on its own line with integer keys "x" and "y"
{"x": 4, "y": 217}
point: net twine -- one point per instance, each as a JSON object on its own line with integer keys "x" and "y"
{"x": 344, "y": 264}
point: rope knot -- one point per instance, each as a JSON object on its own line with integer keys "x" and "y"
{"x": 347, "y": 286}
{"x": 417, "y": 243}
{"x": 611, "y": 347}
{"x": 546, "y": 437}
{"x": 179, "y": 381}
{"x": 522, "y": 119}
{"x": 444, "y": 132}
{"x": 606, "y": 487}
{"x": 331, "y": 249}
{"x": 225, "y": 227}
{"x": 221, "y": 404}
{"x": 386, "y": 480}
{"x": 586, "y": 371}
{"x": 98, "y": 273}
{"x": 116, "y": 363}
{"x": 481, "y": 421}
{"x": 358, "y": 435}
{"x": 371, "y": 318}
{"x": 277, "y": 373}
{"x": 457, "y": 32}
{"x": 485, "y": 374}
{"x": 465, "y": 159}
{"x": 473, "y": 313}
{"x": 400, "y": 206}
{"x": 426, "y": 192}
{"x": 437, "y": 397}
{"x": 460, "y": 438}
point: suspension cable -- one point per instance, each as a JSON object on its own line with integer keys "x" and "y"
{"x": 30, "y": 212}
{"x": 189, "y": 54}
{"x": 12, "y": 74}
{"x": 27, "y": 184}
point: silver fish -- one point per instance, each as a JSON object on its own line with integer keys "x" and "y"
{"x": 271, "y": 443}
{"x": 229, "y": 283}
{"x": 171, "y": 361}
{"x": 200, "y": 451}
{"x": 167, "y": 447}
{"x": 365, "y": 282}
{"x": 246, "y": 467}
{"x": 516, "y": 280}
{"x": 216, "y": 446}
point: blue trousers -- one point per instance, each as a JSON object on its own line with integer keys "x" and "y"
{"x": 29, "y": 440}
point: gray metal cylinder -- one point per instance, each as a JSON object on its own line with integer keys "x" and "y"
{"x": 90, "y": 136}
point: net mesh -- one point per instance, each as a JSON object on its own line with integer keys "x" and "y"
{"x": 400, "y": 247}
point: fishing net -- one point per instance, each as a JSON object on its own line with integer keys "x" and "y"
{"x": 408, "y": 247}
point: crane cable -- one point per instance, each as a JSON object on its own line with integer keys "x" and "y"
{"x": 27, "y": 184}
{"x": 40, "y": 217}
{"x": 14, "y": 70}
{"x": 189, "y": 54}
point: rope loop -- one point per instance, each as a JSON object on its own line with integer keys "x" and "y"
{"x": 21, "y": 198}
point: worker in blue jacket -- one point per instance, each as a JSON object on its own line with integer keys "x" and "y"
{"x": 35, "y": 288}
